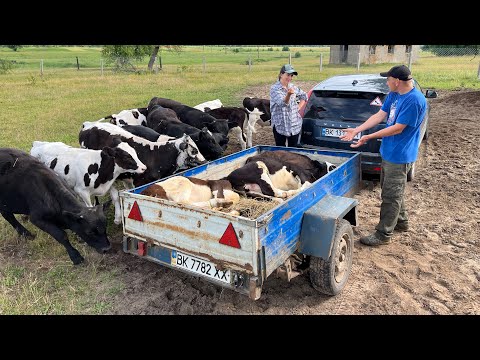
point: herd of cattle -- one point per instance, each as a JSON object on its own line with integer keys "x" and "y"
{"x": 141, "y": 146}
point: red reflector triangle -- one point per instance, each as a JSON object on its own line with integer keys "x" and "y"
{"x": 135, "y": 213}
{"x": 229, "y": 237}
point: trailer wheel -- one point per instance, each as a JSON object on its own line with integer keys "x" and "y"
{"x": 330, "y": 276}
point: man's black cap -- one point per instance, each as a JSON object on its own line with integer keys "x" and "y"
{"x": 400, "y": 72}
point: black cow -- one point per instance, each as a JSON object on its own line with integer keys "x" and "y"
{"x": 192, "y": 116}
{"x": 236, "y": 117}
{"x": 204, "y": 139}
{"x": 27, "y": 186}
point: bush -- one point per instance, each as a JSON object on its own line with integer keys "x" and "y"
{"x": 5, "y": 66}
{"x": 270, "y": 49}
{"x": 285, "y": 48}
{"x": 297, "y": 54}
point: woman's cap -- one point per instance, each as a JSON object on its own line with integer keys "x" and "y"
{"x": 287, "y": 68}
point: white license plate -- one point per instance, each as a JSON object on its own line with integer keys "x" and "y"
{"x": 199, "y": 266}
{"x": 337, "y": 133}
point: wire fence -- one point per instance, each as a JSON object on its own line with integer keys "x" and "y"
{"x": 335, "y": 59}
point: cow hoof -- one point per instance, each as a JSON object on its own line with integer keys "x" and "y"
{"x": 78, "y": 260}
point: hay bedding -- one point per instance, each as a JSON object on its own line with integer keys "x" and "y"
{"x": 251, "y": 208}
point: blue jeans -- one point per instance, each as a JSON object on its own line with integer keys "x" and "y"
{"x": 392, "y": 210}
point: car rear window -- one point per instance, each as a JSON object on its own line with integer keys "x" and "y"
{"x": 343, "y": 105}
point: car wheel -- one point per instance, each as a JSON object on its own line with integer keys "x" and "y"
{"x": 411, "y": 173}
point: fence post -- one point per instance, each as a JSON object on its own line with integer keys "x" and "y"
{"x": 101, "y": 65}
{"x": 290, "y": 58}
{"x": 321, "y": 62}
{"x": 41, "y": 67}
{"x": 478, "y": 73}
{"x": 160, "y": 62}
{"x": 156, "y": 66}
{"x": 358, "y": 62}
{"x": 410, "y": 60}
{"x": 78, "y": 64}
{"x": 250, "y": 63}
{"x": 204, "y": 64}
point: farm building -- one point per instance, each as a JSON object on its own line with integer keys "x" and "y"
{"x": 373, "y": 54}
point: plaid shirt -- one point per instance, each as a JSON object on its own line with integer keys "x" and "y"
{"x": 285, "y": 117}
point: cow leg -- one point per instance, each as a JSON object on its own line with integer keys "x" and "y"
{"x": 85, "y": 196}
{"x": 252, "y": 119}
{"x": 16, "y": 225}
{"x": 116, "y": 202}
{"x": 239, "y": 134}
{"x": 59, "y": 235}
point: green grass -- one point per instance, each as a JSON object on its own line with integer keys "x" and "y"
{"x": 37, "y": 277}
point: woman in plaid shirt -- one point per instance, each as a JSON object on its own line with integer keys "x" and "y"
{"x": 286, "y": 120}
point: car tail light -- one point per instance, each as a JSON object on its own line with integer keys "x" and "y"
{"x": 302, "y": 110}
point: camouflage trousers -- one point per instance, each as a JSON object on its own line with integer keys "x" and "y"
{"x": 392, "y": 181}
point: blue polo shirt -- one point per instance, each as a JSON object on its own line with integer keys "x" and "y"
{"x": 407, "y": 109}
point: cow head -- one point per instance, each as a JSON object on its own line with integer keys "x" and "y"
{"x": 208, "y": 146}
{"x": 125, "y": 157}
{"x": 129, "y": 117}
{"x": 188, "y": 155}
{"x": 91, "y": 225}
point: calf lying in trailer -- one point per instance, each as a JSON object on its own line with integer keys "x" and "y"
{"x": 193, "y": 191}
{"x": 28, "y": 186}
{"x": 278, "y": 173}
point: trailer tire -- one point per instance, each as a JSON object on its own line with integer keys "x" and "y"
{"x": 330, "y": 276}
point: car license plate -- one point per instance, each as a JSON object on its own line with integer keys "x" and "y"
{"x": 199, "y": 266}
{"x": 337, "y": 133}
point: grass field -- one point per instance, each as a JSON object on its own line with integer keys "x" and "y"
{"x": 36, "y": 277}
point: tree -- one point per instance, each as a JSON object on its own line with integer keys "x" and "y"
{"x": 123, "y": 55}
{"x": 14, "y": 47}
{"x": 156, "y": 48}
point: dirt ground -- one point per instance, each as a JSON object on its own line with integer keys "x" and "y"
{"x": 432, "y": 269}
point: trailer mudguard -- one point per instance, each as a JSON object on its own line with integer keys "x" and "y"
{"x": 320, "y": 221}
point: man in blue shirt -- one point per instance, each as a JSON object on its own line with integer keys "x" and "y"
{"x": 405, "y": 108}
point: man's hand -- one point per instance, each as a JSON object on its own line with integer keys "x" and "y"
{"x": 349, "y": 134}
{"x": 363, "y": 140}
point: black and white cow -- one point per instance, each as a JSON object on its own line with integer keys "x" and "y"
{"x": 212, "y": 104}
{"x": 162, "y": 158}
{"x": 277, "y": 173}
{"x": 28, "y": 186}
{"x": 237, "y": 119}
{"x": 90, "y": 172}
{"x": 259, "y": 109}
{"x": 129, "y": 117}
{"x": 204, "y": 139}
{"x": 195, "y": 117}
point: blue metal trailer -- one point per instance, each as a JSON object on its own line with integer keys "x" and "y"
{"x": 309, "y": 231}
